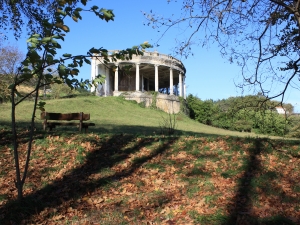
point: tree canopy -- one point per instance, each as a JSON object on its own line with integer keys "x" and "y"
{"x": 32, "y": 14}
{"x": 261, "y": 36}
{"x": 14, "y": 15}
{"x": 248, "y": 113}
{"x": 10, "y": 59}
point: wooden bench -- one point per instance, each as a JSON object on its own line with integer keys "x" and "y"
{"x": 46, "y": 116}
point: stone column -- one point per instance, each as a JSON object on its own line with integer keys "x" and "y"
{"x": 137, "y": 77}
{"x": 106, "y": 82}
{"x": 99, "y": 85}
{"x": 171, "y": 82}
{"x": 184, "y": 88}
{"x": 143, "y": 83}
{"x": 180, "y": 85}
{"x": 116, "y": 78}
{"x": 156, "y": 78}
{"x": 93, "y": 72}
{"x": 148, "y": 81}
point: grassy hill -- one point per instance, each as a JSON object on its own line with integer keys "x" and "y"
{"x": 124, "y": 172}
{"x": 114, "y": 115}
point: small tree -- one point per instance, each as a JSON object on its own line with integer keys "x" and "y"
{"x": 168, "y": 124}
{"x": 40, "y": 59}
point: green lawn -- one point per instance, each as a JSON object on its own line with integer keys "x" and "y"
{"x": 114, "y": 115}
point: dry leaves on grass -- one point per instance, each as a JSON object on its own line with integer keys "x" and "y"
{"x": 124, "y": 179}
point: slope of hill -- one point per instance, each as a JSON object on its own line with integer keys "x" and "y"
{"x": 114, "y": 115}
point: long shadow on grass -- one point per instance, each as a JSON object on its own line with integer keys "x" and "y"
{"x": 145, "y": 130}
{"x": 23, "y": 136}
{"x": 77, "y": 182}
{"x": 240, "y": 210}
{"x": 6, "y": 134}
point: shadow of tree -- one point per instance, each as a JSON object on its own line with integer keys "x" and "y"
{"x": 6, "y": 136}
{"x": 107, "y": 128}
{"x": 242, "y": 204}
{"x": 77, "y": 182}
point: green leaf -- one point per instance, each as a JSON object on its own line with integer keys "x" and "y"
{"x": 52, "y": 51}
{"x": 36, "y": 35}
{"x": 46, "y": 39}
{"x": 146, "y": 45}
{"x": 61, "y": 12}
{"x": 41, "y": 106}
{"x": 87, "y": 61}
{"x": 62, "y": 70}
{"x": 25, "y": 62}
{"x": 26, "y": 70}
{"x": 26, "y": 76}
{"x": 94, "y": 51}
{"x": 75, "y": 18}
{"x": 67, "y": 55}
{"x": 57, "y": 36}
{"x": 107, "y": 14}
{"x": 57, "y": 81}
{"x": 48, "y": 76}
{"x": 83, "y": 2}
{"x": 33, "y": 45}
{"x": 56, "y": 45}
{"x": 53, "y": 41}
{"x": 99, "y": 79}
{"x": 95, "y": 7}
{"x": 68, "y": 8}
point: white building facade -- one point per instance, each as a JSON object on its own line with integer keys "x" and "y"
{"x": 149, "y": 72}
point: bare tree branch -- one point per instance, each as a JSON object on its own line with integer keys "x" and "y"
{"x": 261, "y": 36}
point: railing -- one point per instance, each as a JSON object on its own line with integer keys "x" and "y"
{"x": 162, "y": 56}
{"x": 155, "y": 55}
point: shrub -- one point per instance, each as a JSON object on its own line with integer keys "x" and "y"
{"x": 5, "y": 80}
{"x": 242, "y": 126}
{"x": 60, "y": 90}
{"x": 168, "y": 124}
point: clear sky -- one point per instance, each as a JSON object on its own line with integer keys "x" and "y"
{"x": 209, "y": 76}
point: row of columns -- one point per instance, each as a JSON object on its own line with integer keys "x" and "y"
{"x": 137, "y": 83}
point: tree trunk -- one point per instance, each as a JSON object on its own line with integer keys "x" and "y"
{"x": 18, "y": 181}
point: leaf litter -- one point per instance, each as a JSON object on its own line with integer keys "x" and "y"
{"x": 134, "y": 180}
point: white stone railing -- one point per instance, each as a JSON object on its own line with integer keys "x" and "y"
{"x": 156, "y": 58}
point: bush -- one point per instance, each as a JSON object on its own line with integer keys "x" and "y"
{"x": 242, "y": 126}
{"x": 60, "y": 90}
{"x": 5, "y": 81}
{"x": 293, "y": 127}
{"x": 168, "y": 124}
{"x": 269, "y": 122}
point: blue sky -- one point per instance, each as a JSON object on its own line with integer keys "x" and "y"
{"x": 209, "y": 76}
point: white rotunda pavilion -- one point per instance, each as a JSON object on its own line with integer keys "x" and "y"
{"x": 148, "y": 73}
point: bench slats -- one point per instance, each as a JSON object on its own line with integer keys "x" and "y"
{"x": 65, "y": 116}
{"x": 68, "y": 124}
